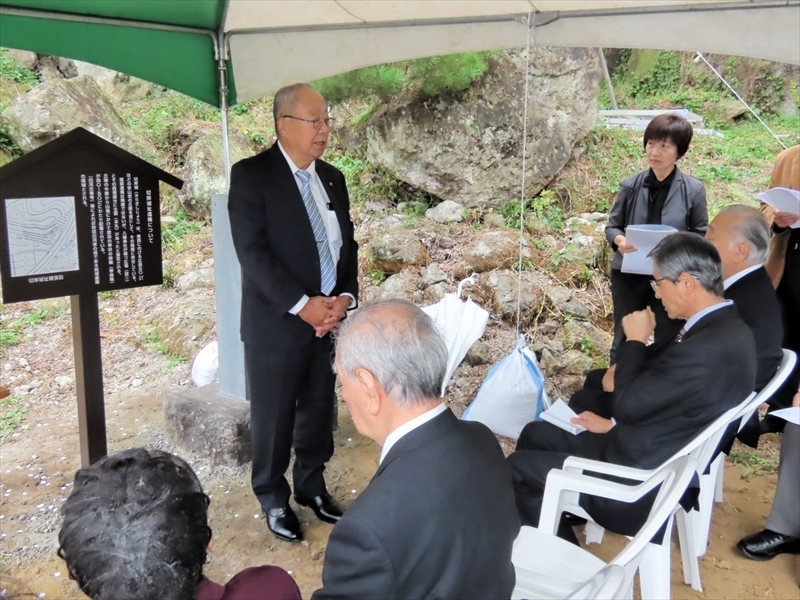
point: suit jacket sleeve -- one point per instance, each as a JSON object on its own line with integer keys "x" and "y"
{"x": 642, "y": 394}
{"x": 698, "y": 209}
{"x": 248, "y": 218}
{"x": 356, "y": 565}
{"x": 616, "y": 219}
{"x": 349, "y": 282}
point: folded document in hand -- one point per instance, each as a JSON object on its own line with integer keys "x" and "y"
{"x": 559, "y": 415}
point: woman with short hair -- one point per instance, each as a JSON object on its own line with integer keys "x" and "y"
{"x": 660, "y": 195}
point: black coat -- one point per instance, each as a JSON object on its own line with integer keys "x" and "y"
{"x": 438, "y": 520}
{"x": 275, "y": 244}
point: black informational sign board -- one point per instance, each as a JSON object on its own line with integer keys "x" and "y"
{"x": 79, "y": 215}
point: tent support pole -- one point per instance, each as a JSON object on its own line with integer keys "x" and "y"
{"x": 609, "y": 86}
{"x": 227, "y": 271}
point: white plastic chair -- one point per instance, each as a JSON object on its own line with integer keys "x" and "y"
{"x": 654, "y": 570}
{"x": 549, "y": 567}
{"x": 693, "y": 527}
{"x": 606, "y": 584}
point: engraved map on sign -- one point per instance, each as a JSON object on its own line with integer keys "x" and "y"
{"x": 42, "y": 235}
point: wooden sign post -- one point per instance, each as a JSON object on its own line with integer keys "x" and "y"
{"x": 80, "y": 216}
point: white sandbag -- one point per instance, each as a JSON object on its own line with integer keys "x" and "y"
{"x": 205, "y": 367}
{"x": 512, "y": 395}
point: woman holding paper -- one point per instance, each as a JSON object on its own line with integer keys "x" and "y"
{"x": 660, "y": 195}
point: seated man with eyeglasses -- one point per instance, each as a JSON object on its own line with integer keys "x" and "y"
{"x": 660, "y": 402}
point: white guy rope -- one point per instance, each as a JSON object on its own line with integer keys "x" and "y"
{"x": 531, "y": 27}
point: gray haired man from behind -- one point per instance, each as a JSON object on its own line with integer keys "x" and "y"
{"x": 438, "y": 519}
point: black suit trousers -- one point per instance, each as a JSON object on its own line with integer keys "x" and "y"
{"x": 291, "y": 405}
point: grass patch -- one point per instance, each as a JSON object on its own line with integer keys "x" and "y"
{"x": 150, "y": 339}
{"x": 12, "y": 413}
{"x": 174, "y": 237}
{"x": 752, "y": 464}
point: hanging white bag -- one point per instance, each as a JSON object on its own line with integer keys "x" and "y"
{"x": 512, "y": 395}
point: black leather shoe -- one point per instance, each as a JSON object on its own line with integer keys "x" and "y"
{"x": 766, "y": 545}
{"x": 324, "y": 507}
{"x": 284, "y": 524}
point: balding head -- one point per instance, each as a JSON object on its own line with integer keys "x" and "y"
{"x": 741, "y": 236}
{"x": 399, "y": 344}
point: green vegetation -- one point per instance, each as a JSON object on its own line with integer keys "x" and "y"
{"x": 13, "y": 332}
{"x": 12, "y": 413}
{"x": 752, "y": 463}
{"x": 425, "y": 76}
{"x": 174, "y": 237}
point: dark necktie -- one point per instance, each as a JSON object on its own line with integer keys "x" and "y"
{"x": 680, "y": 335}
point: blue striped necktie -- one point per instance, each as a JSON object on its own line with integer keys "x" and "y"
{"x": 326, "y": 266}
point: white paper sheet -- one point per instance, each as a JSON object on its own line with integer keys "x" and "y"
{"x": 791, "y": 414}
{"x": 784, "y": 200}
{"x": 645, "y": 238}
{"x": 559, "y": 415}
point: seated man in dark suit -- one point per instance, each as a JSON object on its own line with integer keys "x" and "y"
{"x": 660, "y": 402}
{"x": 741, "y": 236}
{"x": 438, "y": 519}
{"x": 136, "y": 526}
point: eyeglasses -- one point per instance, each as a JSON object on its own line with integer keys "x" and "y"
{"x": 315, "y": 123}
{"x": 654, "y": 282}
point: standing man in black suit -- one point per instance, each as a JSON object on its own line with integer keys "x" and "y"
{"x": 741, "y": 236}
{"x": 661, "y": 402}
{"x": 438, "y": 519}
{"x": 290, "y": 220}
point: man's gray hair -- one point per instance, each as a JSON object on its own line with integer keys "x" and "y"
{"x": 749, "y": 226}
{"x": 690, "y": 253}
{"x": 285, "y": 100}
{"x": 399, "y": 344}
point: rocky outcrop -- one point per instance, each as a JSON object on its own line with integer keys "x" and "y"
{"x": 394, "y": 247}
{"x": 495, "y": 249}
{"x": 117, "y": 86}
{"x": 58, "y": 106}
{"x": 203, "y": 169}
{"x": 470, "y": 151}
{"x": 181, "y": 325}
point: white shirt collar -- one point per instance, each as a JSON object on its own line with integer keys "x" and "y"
{"x": 309, "y": 169}
{"x": 691, "y": 321}
{"x": 737, "y": 276}
{"x": 410, "y": 426}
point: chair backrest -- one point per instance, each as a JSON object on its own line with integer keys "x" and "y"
{"x": 781, "y": 375}
{"x": 674, "y": 477}
{"x": 606, "y": 584}
{"x": 704, "y": 445}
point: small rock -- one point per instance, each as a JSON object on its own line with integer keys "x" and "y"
{"x": 576, "y": 309}
{"x": 377, "y": 206}
{"x": 436, "y": 292}
{"x": 494, "y": 249}
{"x": 550, "y": 241}
{"x": 478, "y": 354}
{"x": 446, "y": 212}
{"x": 7, "y": 367}
{"x": 549, "y": 327}
{"x": 401, "y": 285}
{"x": 445, "y": 242}
{"x": 136, "y": 383}
{"x": 558, "y": 295}
{"x": 168, "y": 222}
{"x": 22, "y": 362}
{"x": 395, "y": 248}
{"x": 576, "y": 363}
{"x": 63, "y": 381}
{"x": 582, "y": 240}
{"x": 200, "y": 279}
{"x": 35, "y": 384}
{"x": 494, "y": 220}
{"x": 433, "y": 274}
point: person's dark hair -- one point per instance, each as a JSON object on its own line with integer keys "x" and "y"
{"x": 687, "y": 252}
{"x": 670, "y": 127}
{"x": 136, "y": 527}
{"x": 285, "y": 100}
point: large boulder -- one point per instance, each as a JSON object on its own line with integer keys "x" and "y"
{"x": 58, "y": 106}
{"x": 469, "y": 151}
{"x": 117, "y": 86}
{"x": 405, "y": 285}
{"x": 203, "y": 169}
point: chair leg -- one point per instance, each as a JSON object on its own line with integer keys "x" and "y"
{"x": 708, "y": 484}
{"x": 654, "y": 570}
{"x": 720, "y": 478}
{"x": 594, "y": 533}
{"x": 691, "y": 567}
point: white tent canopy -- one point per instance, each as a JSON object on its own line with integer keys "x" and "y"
{"x": 274, "y": 43}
